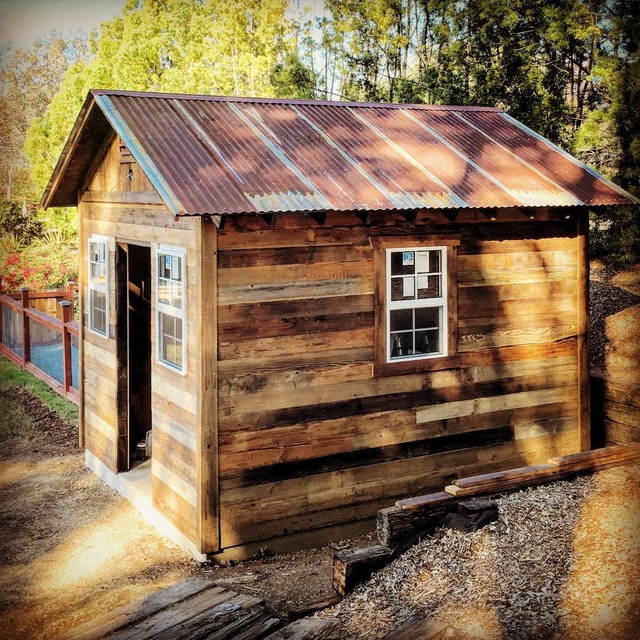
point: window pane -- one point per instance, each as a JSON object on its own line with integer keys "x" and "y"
{"x": 401, "y": 320}
{"x": 401, "y": 344}
{"x": 427, "y": 317}
{"x": 171, "y": 339}
{"x": 403, "y": 263}
{"x": 428, "y": 287}
{"x": 428, "y": 341}
{"x": 98, "y": 262}
{"x": 403, "y": 288}
{"x": 98, "y": 311}
{"x": 435, "y": 261}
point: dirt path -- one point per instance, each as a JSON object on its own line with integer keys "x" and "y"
{"x": 71, "y": 548}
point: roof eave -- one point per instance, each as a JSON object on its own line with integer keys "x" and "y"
{"x": 67, "y": 154}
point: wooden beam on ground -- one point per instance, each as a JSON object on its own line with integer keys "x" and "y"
{"x": 556, "y": 468}
{"x": 397, "y": 527}
{"x": 353, "y": 566}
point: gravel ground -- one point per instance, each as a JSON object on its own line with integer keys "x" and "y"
{"x": 506, "y": 581}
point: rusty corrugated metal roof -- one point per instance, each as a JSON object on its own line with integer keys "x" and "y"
{"x": 219, "y": 155}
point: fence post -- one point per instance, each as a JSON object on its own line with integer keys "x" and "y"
{"x": 26, "y": 333}
{"x": 71, "y": 290}
{"x": 67, "y": 313}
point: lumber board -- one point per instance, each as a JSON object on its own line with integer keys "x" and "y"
{"x": 425, "y": 502}
{"x": 584, "y": 396}
{"x": 207, "y": 477}
{"x": 179, "y": 511}
{"x": 605, "y": 455}
{"x": 517, "y": 259}
{"x": 261, "y": 257}
{"x": 521, "y": 473}
{"x": 114, "y": 620}
{"x": 309, "y": 629}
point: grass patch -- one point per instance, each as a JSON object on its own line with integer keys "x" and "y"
{"x": 16, "y": 422}
{"x": 12, "y": 376}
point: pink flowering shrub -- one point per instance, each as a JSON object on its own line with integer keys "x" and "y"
{"x": 39, "y": 266}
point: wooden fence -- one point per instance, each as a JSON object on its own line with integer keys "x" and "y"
{"x": 615, "y": 410}
{"x": 39, "y": 334}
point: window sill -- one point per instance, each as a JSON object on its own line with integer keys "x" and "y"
{"x": 403, "y": 367}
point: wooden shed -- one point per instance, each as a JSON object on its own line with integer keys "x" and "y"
{"x": 316, "y": 308}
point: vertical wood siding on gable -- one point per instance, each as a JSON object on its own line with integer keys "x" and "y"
{"x": 308, "y": 437}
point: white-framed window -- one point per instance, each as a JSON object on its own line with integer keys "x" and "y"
{"x": 416, "y": 304}
{"x": 98, "y": 257}
{"x": 171, "y": 318}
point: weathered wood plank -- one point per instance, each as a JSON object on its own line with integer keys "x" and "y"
{"x": 170, "y": 617}
{"x": 257, "y": 257}
{"x": 114, "y": 620}
{"x": 276, "y": 238}
{"x": 179, "y": 511}
{"x": 207, "y": 487}
{"x": 517, "y": 260}
{"x": 309, "y": 629}
{"x": 584, "y": 396}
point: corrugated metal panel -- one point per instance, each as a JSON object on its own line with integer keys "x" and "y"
{"x": 234, "y": 155}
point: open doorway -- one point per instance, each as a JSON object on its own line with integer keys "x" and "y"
{"x": 134, "y": 353}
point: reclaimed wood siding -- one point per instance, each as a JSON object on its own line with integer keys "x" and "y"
{"x": 133, "y": 216}
{"x": 308, "y": 437}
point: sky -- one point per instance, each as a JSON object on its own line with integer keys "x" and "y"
{"x": 23, "y": 20}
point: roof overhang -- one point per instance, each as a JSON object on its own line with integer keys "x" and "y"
{"x": 207, "y": 155}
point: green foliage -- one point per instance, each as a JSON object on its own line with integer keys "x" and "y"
{"x": 16, "y": 422}
{"x": 13, "y": 223}
{"x": 187, "y": 46}
{"x": 569, "y": 69}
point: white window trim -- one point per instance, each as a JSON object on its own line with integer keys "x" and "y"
{"x": 441, "y": 302}
{"x": 180, "y": 252}
{"x": 96, "y": 286}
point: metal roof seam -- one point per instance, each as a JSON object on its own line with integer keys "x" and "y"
{"x": 462, "y": 155}
{"x": 418, "y": 165}
{"x": 281, "y": 155}
{"x": 331, "y": 142}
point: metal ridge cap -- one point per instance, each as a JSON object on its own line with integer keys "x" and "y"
{"x": 285, "y": 101}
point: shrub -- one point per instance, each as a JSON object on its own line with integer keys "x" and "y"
{"x": 41, "y": 265}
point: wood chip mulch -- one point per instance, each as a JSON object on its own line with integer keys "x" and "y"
{"x": 561, "y": 562}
